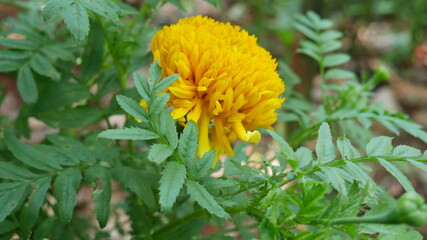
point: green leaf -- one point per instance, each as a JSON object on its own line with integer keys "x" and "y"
{"x": 201, "y": 166}
{"x": 94, "y": 51}
{"x": 128, "y": 134}
{"x": 103, "y": 8}
{"x": 306, "y": 31}
{"x": 379, "y": 146}
{"x": 27, "y": 155}
{"x": 7, "y": 227}
{"x": 417, "y": 164}
{"x": 40, "y": 64}
{"x": 13, "y": 172}
{"x": 336, "y": 180}
{"x": 100, "y": 179}
{"x": 53, "y": 7}
{"x": 11, "y": 199}
{"x": 9, "y": 66}
{"x": 26, "y": 84}
{"x": 316, "y": 193}
{"x": 205, "y": 199}
{"x": 304, "y": 156}
{"x": 164, "y": 83}
{"x": 71, "y": 118}
{"x": 188, "y": 142}
{"x": 58, "y": 51}
{"x": 31, "y": 209}
{"x": 158, "y": 104}
{"x": 132, "y": 179}
{"x": 335, "y": 59}
{"x": 66, "y": 185}
{"x": 330, "y": 35}
{"x": 77, "y": 20}
{"x": 358, "y": 173}
{"x": 287, "y": 150}
{"x": 397, "y": 174}
{"x": 132, "y": 107}
{"x": 142, "y": 86}
{"x": 173, "y": 177}
{"x": 339, "y": 73}
{"x": 154, "y": 74}
{"x": 346, "y": 149}
{"x": 159, "y": 152}
{"x": 404, "y": 151}
{"x": 14, "y": 55}
{"x": 18, "y": 44}
{"x": 324, "y": 147}
{"x": 171, "y": 134}
{"x": 330, "y": 46}
{"x": 73, "y": 148}
{"x": 64, "y": 93}
{"x": 310, "y": 53}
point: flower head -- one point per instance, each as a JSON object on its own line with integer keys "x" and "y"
{"x": 228, "y": 84}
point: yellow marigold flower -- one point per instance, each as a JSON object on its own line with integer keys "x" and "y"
{"x": 228, "y": 84}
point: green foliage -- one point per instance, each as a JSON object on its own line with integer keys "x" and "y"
{"x": 70, "y": 63}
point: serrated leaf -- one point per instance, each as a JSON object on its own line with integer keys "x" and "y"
{"x": 27, "y": 155}
{"x": 316, "y": 193}
{"x": 142, "y": 86}
{"x": 339, "y": 73}
{"x": 397, "y": 174}
{"x": 173, "y": 177}
{"x": 31, "y": 209}
{"x": 404, "y": 151}
{"x": 11, "y": 199}
{"x": 128, "y": 134}
{"x": 170, "y": 131}
{"x": 304, "y": 156}
{"x": 40, "y": 64}
{"x": 132, "y": 179}
{"x": 379, "y": 146}
{"x": 77, "y": 20}
{"x": 205, "y": 199}
{"x": 159, "y": 104}
{"x": 100, "y": 179}
{"x": 154, "y": 74}
{"x": 66, "y": 185}
{"x": 26, "y": 84}
{"x": 164, "y": 83}
{"x": 21, "y": 44}
{"x": 336, "y": 180}
{"x": 14, "y": 172}
{"x": 71, "y": 118}
{"x": 159, "y": 152}
{"x": 346, "y": 149}
{"x": 188, "y": 142}
{"x": 325, "y": 149}
{"x": 201, "y": 166}
{"x": 74, "y": 149}
{"x": 54, "y": 6}
{"x": 102, "y": 7}
{"x": 356, "y": 172}
{"x": 287, "y": 150}
{"x": 132, "y": 107}
{"x": 335, "y": 59}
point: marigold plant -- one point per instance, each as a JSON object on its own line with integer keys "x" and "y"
{"x": 228, "y": 84}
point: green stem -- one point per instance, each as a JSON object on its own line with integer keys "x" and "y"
{"x": 119, "y": 68}
{"x": 382, "y": 218}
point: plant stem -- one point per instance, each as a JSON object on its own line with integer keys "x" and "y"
{"x": 119, "y": 68}
{"x": 382, "y": 218}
